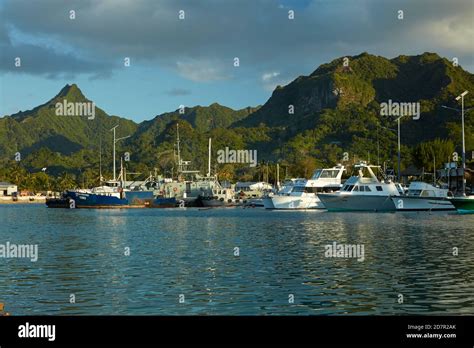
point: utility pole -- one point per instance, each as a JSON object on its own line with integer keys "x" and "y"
{"x": 180, "y": 169}
{"x": 399, "y": 150}
{"x": 461, "y": 97}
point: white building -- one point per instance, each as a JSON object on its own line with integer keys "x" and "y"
{"x": 7, "y": 189}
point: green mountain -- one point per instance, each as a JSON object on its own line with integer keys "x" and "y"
{"x": 72, "y": 143}
{"x": 41, "y": 128}
{"x": 60, "y": 143}
{"x": 201, "y": 118}
{"x": 363, "y": 84}
{"x": 337, "y": 108}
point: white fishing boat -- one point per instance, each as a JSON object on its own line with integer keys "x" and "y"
{"x": 423, "y": 196}
{"x": 363, "y": 192}
{"x": 304, "y": 193}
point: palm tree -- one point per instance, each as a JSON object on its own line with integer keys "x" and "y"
{"x": 65, "y": 181}
{"x": 41, "y": 181}
{"x": 17, "y": 174}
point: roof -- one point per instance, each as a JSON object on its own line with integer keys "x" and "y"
{"x": 4, "y": 183}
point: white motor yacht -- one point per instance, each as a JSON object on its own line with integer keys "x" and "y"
{"x": 363, "y": 192}
{"x": 304, "y": 192}
{"x": 423, "y": 196}
{"x": 286, "y": 189}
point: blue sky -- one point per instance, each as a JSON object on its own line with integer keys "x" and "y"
{"x": 190, "y": 61}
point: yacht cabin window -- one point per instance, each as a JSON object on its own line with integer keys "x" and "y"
{"x": 329, "y": 174}
{"x": 427, "y": 193}
{"x": 414, "y": 192}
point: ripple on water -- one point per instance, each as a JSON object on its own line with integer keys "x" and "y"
{"x": 192, "y": 253}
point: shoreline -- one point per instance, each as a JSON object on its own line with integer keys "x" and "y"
{"x": 24, "y": 200}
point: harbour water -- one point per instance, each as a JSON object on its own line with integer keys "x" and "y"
{"x": 235, "y": 261}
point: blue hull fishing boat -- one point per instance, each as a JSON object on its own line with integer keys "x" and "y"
{"x": 129, "y": 199}
{"x": 116, "y": 193}
{"x": 121, "y": 199}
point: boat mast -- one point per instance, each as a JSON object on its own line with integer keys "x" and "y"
{"x": 113, "y": 160}
{"x": 100, "y": 160}
{"x": 209, "y": 160}
{"x": 278, "y": 176}
{"x": 124, "y": 171}
{"x": 121, "y": 172}
{"x": 179, "y": 151}
{"x": 115, "y": 141}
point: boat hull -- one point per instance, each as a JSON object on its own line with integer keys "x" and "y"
{"x": 138, "y": 197}
{"x": 297, "y": 202}
{"x": 422, "y": 204}
{"x": 57, "y": 203}
{"x": 339, "y": 202}
{"x": 219, "y": 202}
{"x": 162, "y": 202}
{"x": 92, "y": 200}
{"x": 463, "y": 204}
{"x": 268, "y": 203}
{"x": 254, "y": 202}
{"x": 131, "y": 199}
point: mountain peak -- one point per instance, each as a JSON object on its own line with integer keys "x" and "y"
{"x": 71, "y": 92}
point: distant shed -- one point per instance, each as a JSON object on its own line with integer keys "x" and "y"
{"x": 7, "y": 189}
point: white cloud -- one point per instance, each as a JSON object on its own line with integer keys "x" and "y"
{"x": 257, "y": 31}
{"x": 272, "y": 79}
{"x": 178, "y": 92}
{"x": 201, "y": 70}
{"x": 270, "y": 76}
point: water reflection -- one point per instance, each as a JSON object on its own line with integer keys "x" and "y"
{"x": 191, "y": 252}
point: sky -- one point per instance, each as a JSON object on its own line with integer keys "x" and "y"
{"x": 191, "y": 61}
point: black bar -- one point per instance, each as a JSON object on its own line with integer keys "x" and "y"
{"x": 223, "y": 330}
